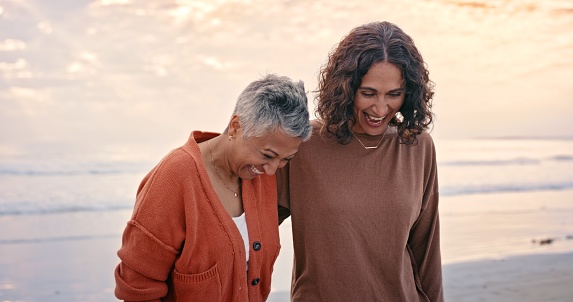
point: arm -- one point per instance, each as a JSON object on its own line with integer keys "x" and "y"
{"x": 424, "y": 243}
{"x": 144, "y": 267}
{"x": 424, "y": 238}
{"x": 152, "y": 238}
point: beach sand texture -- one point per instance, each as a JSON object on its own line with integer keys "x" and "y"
{"x": 491, "y": 257}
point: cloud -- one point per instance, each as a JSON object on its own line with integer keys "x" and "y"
{"x": 12, "y": 45}
{"x": 15, "y": 70}
{"x": 113, "y": 2}
{"x": 45, "y": 27}
{"x": 140, "y": 69}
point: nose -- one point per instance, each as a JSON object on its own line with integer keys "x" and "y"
{"x": 271, "y": 167}
{"x": 380, "y": 107}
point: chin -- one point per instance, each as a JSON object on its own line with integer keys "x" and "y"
{"x": 376, "y": 130}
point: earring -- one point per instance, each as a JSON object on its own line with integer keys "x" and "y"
{"x": 230, "y": 137}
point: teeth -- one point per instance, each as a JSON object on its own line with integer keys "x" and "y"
{"x": 255, "y": 170}
{"x": 375, "y": 119}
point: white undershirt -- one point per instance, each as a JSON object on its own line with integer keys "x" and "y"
{"x": 241, "y": 223}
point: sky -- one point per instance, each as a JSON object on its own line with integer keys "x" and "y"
{"x": 116, "y": 73}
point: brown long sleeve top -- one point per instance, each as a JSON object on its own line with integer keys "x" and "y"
{"x": 364, "y": 221}
{"x": 182, "y": 245}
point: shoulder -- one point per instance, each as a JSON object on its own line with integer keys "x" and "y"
{"x": 177, "y": 159}
{"x": 317, "y": 131}
{"x": 188, "y": 155}
{"x": 425, "y": 144}
{"x": 316, "y": 128}
{"x": 316, "y": 124}
{"x": 425, "y": 139}
{"x": 424, "y": 148}
{"x": 179, "y": 164}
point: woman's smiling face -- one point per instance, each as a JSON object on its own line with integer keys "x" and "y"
{"x": 263, "y": 155}
{"x": 378, "y": 99}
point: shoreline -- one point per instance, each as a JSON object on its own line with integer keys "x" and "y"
{"x": 496, "y": 226}
{"x": 533, "y": 277}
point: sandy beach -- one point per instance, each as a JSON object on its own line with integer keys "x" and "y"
{"x": 538, "y": 277}
{"x": 491, "y": 252}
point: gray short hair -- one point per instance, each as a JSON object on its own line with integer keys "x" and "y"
{"x": 274, "y": 102}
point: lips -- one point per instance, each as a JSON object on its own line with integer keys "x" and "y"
{"x": 373, "y": 121}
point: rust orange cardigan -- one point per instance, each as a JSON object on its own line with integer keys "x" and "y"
{"x": 182, "y": 245}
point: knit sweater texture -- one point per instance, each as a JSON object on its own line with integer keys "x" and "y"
{"x": 182, "y": 245}
{"x": 364, "y": 221}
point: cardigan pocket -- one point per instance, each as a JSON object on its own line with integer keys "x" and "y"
{"x": 205, "y": 286}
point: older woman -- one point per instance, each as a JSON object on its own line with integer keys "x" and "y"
{"x": 204, "y": 226}
{"x": 363, "y": 192}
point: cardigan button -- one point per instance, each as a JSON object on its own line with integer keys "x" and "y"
{"x": 256, "y": 281}
{"x": 256, "y": 246}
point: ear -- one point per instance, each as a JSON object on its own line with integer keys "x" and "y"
{"x": 234, "y": 125}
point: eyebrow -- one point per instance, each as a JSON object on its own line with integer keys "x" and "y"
{"x": 401, "y": 89}
{"x": 276, "y": 154}
{"x": 271, "y": 150}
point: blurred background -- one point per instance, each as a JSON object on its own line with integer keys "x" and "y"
{"x": 94, "y": 93}
{"x": 112, "y": 73}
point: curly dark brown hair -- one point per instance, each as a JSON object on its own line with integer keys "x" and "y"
{"x": 349, "y": 62}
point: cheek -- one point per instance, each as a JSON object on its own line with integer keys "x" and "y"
{"x": 359, "y": 104}
{"x": 247, "y": 160}
{"x": 242, "y": 160}
{"x": 397, "y": 104}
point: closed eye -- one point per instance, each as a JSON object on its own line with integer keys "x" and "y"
{"x": 367, "y": 94}
{"x": 395, "y": 93}
{"x": 282, "y": 159}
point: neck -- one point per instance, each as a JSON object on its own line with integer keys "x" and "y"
{"x": 216, "y": 155}
{"x": 370, "y": 147}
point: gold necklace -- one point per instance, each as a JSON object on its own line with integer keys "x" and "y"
{"x": 374, "y": 147}
{"x": 217, "y": 171}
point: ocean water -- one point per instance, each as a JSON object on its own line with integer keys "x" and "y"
{"x": 474, "y": 166}
{"x": 57, "y": 182}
